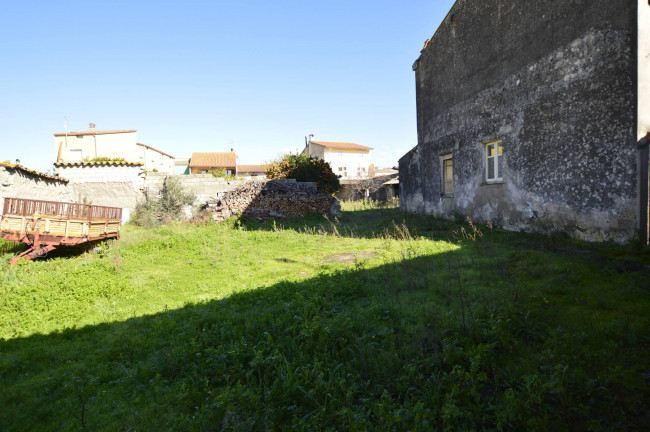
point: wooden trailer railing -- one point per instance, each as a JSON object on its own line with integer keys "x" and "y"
{"x": 45, "y": 225}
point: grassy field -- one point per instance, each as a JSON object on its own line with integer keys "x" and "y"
{"x": 376, "y": 321}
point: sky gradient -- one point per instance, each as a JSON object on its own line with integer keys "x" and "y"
{"x": 203, "y": 76}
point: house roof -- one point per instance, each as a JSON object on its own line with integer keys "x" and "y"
{"x": 217, "y": 160}
{"x": 98, "y": 163}
{"x": 394, "y": 181}
{"x": 89, "y": 132}
{"x": 385, "y": 171}
{"x": 251, "y": 169}
{"x": 342, "y": 145}
{"x": 18, "y": 167}
{"x": 156, "y": 150}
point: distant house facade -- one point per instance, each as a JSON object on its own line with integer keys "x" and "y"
{"x": 202, "y": 163}
{"x": 348, "y": 160}
{"x": 529, "y": 115}
{"x": 156, "y": 160}
{"x": 86, "y": 146}
{"x": 251, "y": 172}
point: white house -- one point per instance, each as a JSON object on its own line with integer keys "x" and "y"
{"x": 348, "y": 160}
{"x": 94, "y": 145}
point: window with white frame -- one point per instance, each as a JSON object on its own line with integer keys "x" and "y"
{"x": 493, "y": 161}
{"x": 447, "y": 174}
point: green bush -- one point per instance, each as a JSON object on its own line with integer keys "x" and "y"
{"x": 167, "y": 206}
{"x": 306, "y": 169}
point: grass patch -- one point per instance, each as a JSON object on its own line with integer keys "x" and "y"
{"x": 379, "y": 320}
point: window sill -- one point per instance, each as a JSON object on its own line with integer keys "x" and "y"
{"x": 492, "y": 183}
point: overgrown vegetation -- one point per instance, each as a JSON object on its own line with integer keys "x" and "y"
{"x": 104, "y": 159}
{"x": 166, "y": 206}
{"x": 305, "y": 169}
{"x": 222, "y": 173}
{"x": 376, "y": 321}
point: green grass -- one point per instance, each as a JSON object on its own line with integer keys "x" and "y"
{"x": 379, "y": 320}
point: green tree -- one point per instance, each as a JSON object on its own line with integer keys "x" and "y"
{"x": 304, "y": 168}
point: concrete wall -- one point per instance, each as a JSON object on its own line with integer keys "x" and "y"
{"x": 555, "y": 81}
{"x": 643, "y": 126}
{"x": 205, "y": 186}
{"x": 103, "y": 173}
{"x": 17, "y": 183}
{"x": 114, "y": 186}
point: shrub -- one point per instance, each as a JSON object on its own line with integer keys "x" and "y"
{"x": 305, "y": 168}
{"x": 168, "y": 205}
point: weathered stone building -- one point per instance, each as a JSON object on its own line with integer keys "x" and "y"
{"x": 529, "y": 114}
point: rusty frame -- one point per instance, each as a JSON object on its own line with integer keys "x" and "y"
{"x": 40, "y": 243}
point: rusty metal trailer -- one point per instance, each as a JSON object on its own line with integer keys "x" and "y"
{"x": 46, "y": 225}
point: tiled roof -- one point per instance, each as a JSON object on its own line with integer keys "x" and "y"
{"x": 89, "y": 132}
{"x": 342, "y": 145}
{"x": 394, "y": 181}
{"x": 18, "y": 167}
{"x": 98, "y": 163}
{"x": 213, "y": 160}
{"x": 155, "y": 149}
{"x": 251, "y": 169}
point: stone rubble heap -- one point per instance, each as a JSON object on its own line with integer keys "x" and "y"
{"x": 276, "y": 199}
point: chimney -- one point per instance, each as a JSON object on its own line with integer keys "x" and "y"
{"x": 232, "y": 150}
{"x": 17, "y": 161}
{"x": 91, "y": 126}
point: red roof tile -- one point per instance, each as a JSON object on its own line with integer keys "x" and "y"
{"x": 98, "y": 163}
{"x": 342, "y": 145}
{"x": 213, "y": 160}
{"x": 251, "y": 169}
{"x": 18, "y": 167}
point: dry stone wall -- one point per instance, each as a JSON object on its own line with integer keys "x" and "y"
{"x": 276, "y": 199}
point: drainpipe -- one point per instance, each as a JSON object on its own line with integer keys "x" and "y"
{"x": 642, "y": 147}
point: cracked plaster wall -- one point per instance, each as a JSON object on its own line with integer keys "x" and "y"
{"x": 555, "y": 82}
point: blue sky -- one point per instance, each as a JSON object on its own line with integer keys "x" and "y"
{"x": 200, "y": 76}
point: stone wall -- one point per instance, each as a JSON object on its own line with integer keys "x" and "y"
{"x": 555, "y": 81}
{"x": 274, "y": 198}
{"x": 17, "y": 181}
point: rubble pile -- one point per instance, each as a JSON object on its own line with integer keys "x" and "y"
{"x": 276, "y": 199}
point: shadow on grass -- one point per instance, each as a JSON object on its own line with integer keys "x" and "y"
{"x": 11, "y": 249}
{"x": 371, "y": 223}
{"x": 409, "y": 345}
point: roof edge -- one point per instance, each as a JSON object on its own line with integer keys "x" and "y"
{"x": 60, "y": 134}
{"x": 33, "y": 172}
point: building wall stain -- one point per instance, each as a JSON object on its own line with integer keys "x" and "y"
{"x": 560, "y": 94}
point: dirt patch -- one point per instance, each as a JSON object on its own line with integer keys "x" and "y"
{"x": 349, "y": 257}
